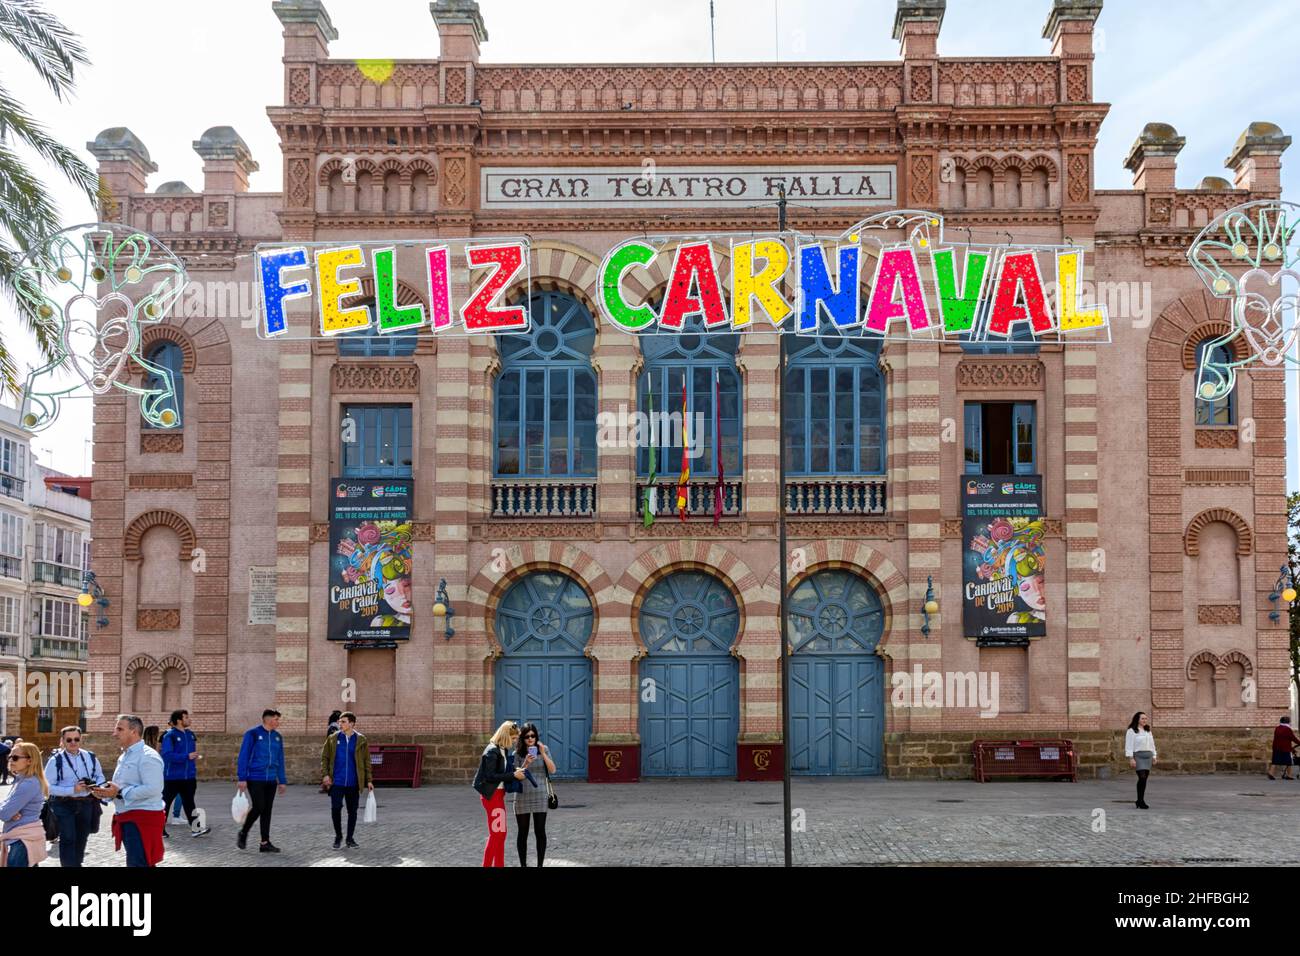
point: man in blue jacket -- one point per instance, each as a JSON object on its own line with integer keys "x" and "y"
{"x": 261, "y": 776}
{"x": 180, "y": 752}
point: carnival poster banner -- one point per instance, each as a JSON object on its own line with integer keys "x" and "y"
{"x": 370, "y": 560}
{"x": 1004, "y": 602}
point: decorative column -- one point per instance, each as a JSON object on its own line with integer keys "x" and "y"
{"x": 307, "y": 33}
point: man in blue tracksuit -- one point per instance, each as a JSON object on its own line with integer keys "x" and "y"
{"x": 180, "y": 752}
{"x": 261, "y": 776}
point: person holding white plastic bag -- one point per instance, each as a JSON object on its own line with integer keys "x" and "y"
{"x": 345, "y": 769}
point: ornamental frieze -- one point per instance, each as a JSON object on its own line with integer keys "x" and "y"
{"x": 359, "y": 377}
{"x": 157, "y": 619}
{"x": 1008, "y": 374}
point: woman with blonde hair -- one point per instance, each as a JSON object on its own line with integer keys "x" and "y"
{"x": 494, "y": 778}
{"x": 22, "y": 842}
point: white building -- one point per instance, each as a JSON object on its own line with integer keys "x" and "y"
{"x": 44, "y": 553}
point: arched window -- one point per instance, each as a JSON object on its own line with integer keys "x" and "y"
{"x": 834, "y": 405}
{"x": 689, "y": 612}
{"x": 705, "y": 362}
{"x": 364, "y": 342}
{"x": 835, "y": 611}
{"x": 365, "y": 192}
{"x": 419, "y": 191}
{"x": 392, "y": 192}
{"x": 1039, "y": 190}
{"x": 546, "y": 393}
{"x": 544, "y": 613}
{"x": 167, "y": 355}
{"x": 1220, "y": 411}
{"x": 335, "y": 196}
{"x": 957, "y": 195}
{"x": 1011, "y": 188}
{"x": 984, "y": 188}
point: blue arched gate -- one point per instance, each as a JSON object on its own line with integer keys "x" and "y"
{"x": 543, "y": 623}
{"x": 690, "y": 714}
{"x": 837, "y": 697}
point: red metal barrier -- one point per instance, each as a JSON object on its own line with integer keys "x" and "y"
{"x": 396, "y": 763}
{"x": 1024, "y": 758}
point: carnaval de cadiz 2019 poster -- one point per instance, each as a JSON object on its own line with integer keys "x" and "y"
{"x": 370, "y": 560}
{"x": 1004, "y": 602}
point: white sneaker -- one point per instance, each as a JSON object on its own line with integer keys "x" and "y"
{"x": 198, "y": 833}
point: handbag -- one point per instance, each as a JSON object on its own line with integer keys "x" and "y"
{"x": 552, "y": 801}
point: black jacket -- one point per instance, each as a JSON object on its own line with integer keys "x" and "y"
{"x": 493, "y": 769}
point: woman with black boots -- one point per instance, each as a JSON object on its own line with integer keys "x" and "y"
{"x": 1140, "y": 748}
{"x": 530, "y": 799}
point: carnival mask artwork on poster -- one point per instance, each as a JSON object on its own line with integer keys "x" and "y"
{"x": 986, "y": 291}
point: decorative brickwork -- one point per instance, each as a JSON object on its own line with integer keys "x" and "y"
{"x": 157, "y": 618}
{"x": 160, "y": 481}
{"x": 1217, "y": 476}
{"x": 1218, "y": 614}
{"x": 1005, "y": 374}
{"x": 381, "y": 379}
{"x": 170, "y": 442}
{"x": 1222, "y": 437}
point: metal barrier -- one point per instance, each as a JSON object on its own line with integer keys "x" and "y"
{"x": 1025, "y": 758}
{"x": 396, "y": 763}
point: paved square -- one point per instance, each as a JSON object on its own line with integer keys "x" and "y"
{"x": 1219, "y": 819}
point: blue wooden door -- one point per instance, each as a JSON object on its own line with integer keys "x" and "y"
{"x": 837, "y": 697}
{"x": 690, "y": 683}
{"x": 543, "y": 623}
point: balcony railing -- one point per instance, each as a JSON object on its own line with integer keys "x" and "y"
{"x": 10, "y": 645}
{"x": 543, "y": 499}
{"x": 62, "y": 648}
{"x": 57, "y": 574}
{"x": 699, "y": 498}
{"x": 12, "y": 487}
{"x": 835, "y": 496}
{"x": 11, "y": 567}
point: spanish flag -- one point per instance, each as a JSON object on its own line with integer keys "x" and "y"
{"x": 650, "y": 504}
{"x": 686, "y": 462}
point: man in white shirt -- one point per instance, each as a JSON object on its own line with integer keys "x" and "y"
{"x": 71, "y": 802}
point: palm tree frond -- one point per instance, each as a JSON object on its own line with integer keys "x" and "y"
{"x": 16, "y": 119}
{"x": 41, "y": 38}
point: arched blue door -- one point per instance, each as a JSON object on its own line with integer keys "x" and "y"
{"x": 690, "y": 715}
{"x": 837, "y": 699}
{"x": 543, "y": 624}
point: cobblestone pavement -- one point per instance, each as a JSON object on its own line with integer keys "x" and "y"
{"x": 1211, "y": 819}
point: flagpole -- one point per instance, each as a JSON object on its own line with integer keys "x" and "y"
{"x": 783, "y": 561}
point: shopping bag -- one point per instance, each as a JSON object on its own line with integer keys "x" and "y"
{"x": 239, "y": 807}
{"x": 372, "y": 808}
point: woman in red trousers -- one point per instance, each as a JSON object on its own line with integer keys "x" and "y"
{"x": 493, "y": 779}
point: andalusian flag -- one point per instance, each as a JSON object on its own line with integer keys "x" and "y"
{"x": 686, "y": 462}
{"x": 650, "y": 503}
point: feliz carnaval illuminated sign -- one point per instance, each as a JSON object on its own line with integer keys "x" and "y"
{"x": 976, "y": 291}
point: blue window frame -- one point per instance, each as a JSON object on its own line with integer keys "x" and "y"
{"x": 1220, "y": 411}
{"x": 169, "y": 356}
{"x": 545, "y": 418}
{"x": 1000, "y": 438}
{"x": 366, "y": 344}
{"x": 834, "y": 405}
{"x": 1021, "y": 342}
{"x": 706, "y": 363}
{"x": 382, "y": 446}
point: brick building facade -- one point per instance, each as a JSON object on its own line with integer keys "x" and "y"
{"x": 1164, "y": 536}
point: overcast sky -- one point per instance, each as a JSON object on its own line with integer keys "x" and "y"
{"x": 169, "y": 70}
